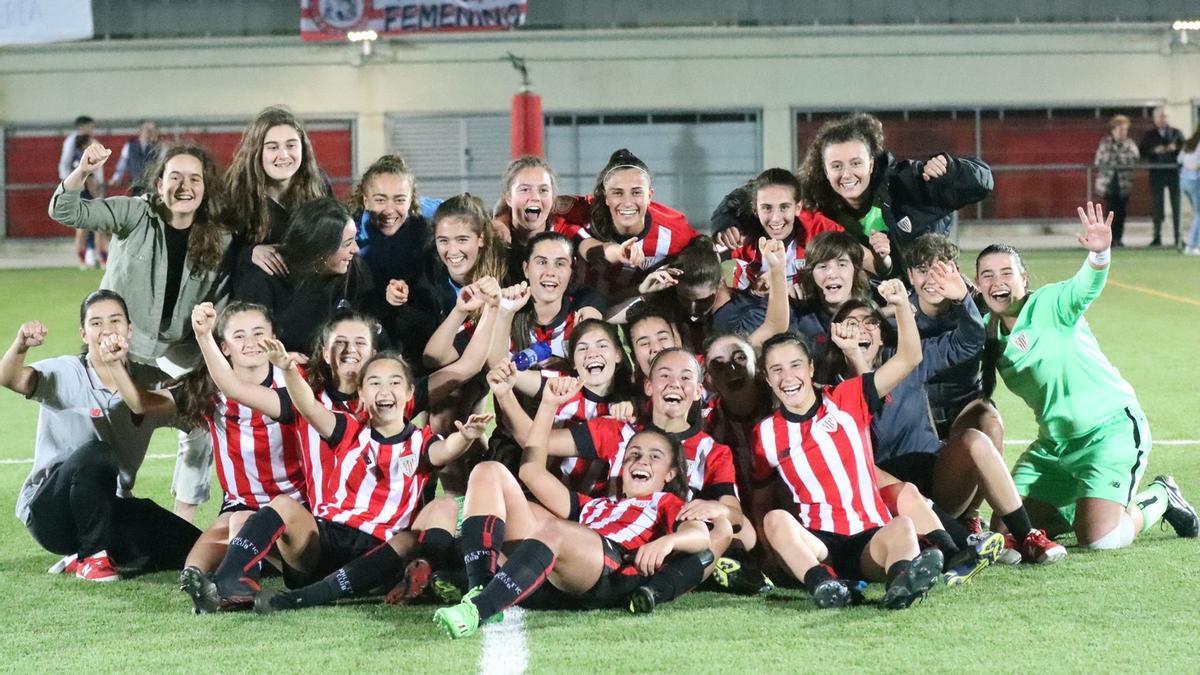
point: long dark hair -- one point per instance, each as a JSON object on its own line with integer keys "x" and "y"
{"x": 525, "y": 318}
{"x": 678, "y": 485}
{"x": 247, "y": 182}
{"x": 833, "y": 363}
{"x": 1192, "y": 141}
{"x": 622, "y": 386}
{"x": 601, "y": 219}
{"x": 314, "y": 233}
{"x": 867, "y": 129}
{"x": 206, "y": 246}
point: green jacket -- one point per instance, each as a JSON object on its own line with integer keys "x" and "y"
{"x": 137, "y": 267}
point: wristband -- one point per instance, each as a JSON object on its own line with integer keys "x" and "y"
{"x": 508, "y": 304}
{"x": 1100, "y": 258}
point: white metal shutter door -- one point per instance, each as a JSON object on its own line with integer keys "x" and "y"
{"x": 453, "y": 154}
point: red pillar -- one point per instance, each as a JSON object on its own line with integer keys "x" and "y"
{"x": 526, "y": 118}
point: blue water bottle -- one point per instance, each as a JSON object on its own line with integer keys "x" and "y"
{"x": 535, "y": 354}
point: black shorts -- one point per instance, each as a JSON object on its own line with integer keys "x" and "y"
{"x": 914, "y": 467}
{"x": 845, "y": 551}
{"x": 339, "y": 544}
{"x": 617, "y": 581}
{"x": 234, "y": 507}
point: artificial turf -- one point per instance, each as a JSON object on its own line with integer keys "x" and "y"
{"x": 1115, "y": 611}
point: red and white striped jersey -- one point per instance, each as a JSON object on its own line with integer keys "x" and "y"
{"x": 318, "y": 456}
{"x": 378, "y": 481}
{"x": 709, "y": 463}
{"x": 825, "y": 458}
{"x": 579, "y": 474}
{"x": 808, "y": 225}
{"x": 257, "y": 458}
{"x": 628, "y": 522}
{"x": 666, "y": 233}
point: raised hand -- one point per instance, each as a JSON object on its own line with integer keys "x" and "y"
{"x": 513, "y": 298}
{"x": 948, "y": 279}
{"x": 559, "y": 390}
{"x": 731, "y": 238}
{"x": 893, "y": 292}
{"x": 628, "y": 253}
{"x": 397, "y": 292}
{"x": 31, "y": 334}
{"x": 502, "y": 378}
{"x": 489, "y": 286}
{"x": 845, "y": 335}
{"x": 774, "y": 253}
{"x": 277, "y": 354}
{"x": 94, "y": 156}
{"x": 204, "y": 315}
{"x": 880, "y": 244}
{"x": 660, "y": 280}
{"x": 475, "y": 426}
{"x": 470, "y": 299}
{"x": 113, "y": 349}
{"x": 936, "y": 167}
{"x": 1097, "y": 229}
{"x": 622, "y": 410}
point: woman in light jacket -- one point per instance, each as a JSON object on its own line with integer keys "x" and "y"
{"x": 1113, "y": 184}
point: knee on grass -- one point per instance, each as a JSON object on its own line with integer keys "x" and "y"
{"x": 1118, "y": 537}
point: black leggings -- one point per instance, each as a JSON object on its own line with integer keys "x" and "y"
{"x": 76, "y": 510}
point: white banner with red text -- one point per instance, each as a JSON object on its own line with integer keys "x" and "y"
{"x": 335, "y": 19}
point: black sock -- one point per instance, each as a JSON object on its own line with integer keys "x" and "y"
{"x": 482, "y": 537}
{"x": 957, "y": 531}
{"x": 240, "y": 566}
{"x": 942, "y": 540}
{"x": 1018, "y": 524}
{"x": 678, "y": 576}
{"x": 816, "y": 576}
{"x": 899, "y": 567}
{"x": 526, "y": 569}
{"x": 378, "y": 567}
{"x": 439, "y": 547}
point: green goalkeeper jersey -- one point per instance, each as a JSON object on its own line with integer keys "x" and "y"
{"x": 1053, "y": 362}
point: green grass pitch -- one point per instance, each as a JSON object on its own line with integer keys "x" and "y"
{"x": 1137, "y": 609}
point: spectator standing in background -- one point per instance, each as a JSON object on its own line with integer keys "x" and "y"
{"x": 1113, "y": 183}
{"x": 1160, "y": 147}
{"x": 91, "y": 249}
{"x": 1189, "y": 180}
{"x": 139, "y": 151}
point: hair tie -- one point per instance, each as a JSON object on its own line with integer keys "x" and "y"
{"x": 624, "y": 166}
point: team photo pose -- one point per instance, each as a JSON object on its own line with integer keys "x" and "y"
{"x": 169, "y": 250}
{"x": 273, "y": 171}
{"x": 819, "y": 441}
{"x": 1082, "y": 471}
{"x": 850, "y": 177}
{"x": 91, "y": 439}
{"x": 382, "y": 466}
{"x": 592, "y": 562}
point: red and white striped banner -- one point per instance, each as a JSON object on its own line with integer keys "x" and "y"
{"x": 334, "y": 19}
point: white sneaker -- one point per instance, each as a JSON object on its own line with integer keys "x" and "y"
{"x": 1194, "y": 250}
{"x": 89, "y": 257}
{"x": 65, "y": 566}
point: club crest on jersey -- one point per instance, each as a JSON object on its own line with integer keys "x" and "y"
{"x": 406, "y": 465}
{"x": 1021, "y": 341}
{"x": 828, "y": 425}
{"x": 905, "y": 224}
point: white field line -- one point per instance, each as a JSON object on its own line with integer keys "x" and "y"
{"x": 505, "y": 651}
{"x": 1011, "y": 441}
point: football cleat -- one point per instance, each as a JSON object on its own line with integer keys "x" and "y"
{"x": 740, "y": 578}
{"x": 417, "y": 575}
{"x": 97, "y": 567}
{"x": 642, "y": 601}
{"x": 459, "y": 621}
{"x": 832, "y": 594}
{"x": 985, "y": 550}
{"x": 201, "y": 590}
{"x": 913, "y": 583}
{"x": 1179, "y": 514}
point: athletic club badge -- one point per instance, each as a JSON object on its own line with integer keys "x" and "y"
{"x": 339, "y": 14}
{"x": 905, "y": 224}
{"x": 1021, "y": 340}
{"x": 406, "y": 465}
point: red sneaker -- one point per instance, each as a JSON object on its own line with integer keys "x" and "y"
{"x": 1040, "y": 549}
{"x": 97, "y": 567}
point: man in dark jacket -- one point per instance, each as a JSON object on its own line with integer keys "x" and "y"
{"x": 1160, "y": 147}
